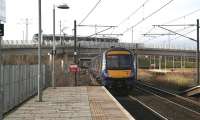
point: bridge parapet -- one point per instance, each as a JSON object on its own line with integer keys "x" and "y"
{"x": 89, "y": 44}
{"x": 91, "y": 47}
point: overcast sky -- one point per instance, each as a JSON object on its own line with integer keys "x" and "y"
{"x": 108, "y": 12}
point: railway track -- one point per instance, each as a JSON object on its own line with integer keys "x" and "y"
{"x": 138, "y": 109}
{"x": 182, "y": 101}
{"x": 147, "y": 102}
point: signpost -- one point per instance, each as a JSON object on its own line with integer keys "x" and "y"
{"x": 74, "y": 68}
{"x": 1, "y": 29}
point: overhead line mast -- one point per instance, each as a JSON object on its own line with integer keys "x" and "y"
{"x": 160, "y": 26}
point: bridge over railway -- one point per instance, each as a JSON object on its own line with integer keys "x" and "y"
{"x": 91, "y": 49}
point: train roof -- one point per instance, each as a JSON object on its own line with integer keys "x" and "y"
{"x": 118, "y": 48}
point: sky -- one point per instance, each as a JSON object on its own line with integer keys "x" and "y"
{"x": 108, "y": 12}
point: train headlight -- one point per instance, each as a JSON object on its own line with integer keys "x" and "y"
{"x": 105, "y": 74}
{"x": 132, "y": 74}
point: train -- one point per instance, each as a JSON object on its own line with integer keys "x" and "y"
{"x": 115, "y": 69}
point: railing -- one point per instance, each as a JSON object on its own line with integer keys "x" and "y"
{"x": 18, "y": 83}
{"x": 91, "y": 44}
{"x": 174, "y": 47}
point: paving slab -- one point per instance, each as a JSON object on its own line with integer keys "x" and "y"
{"x": 71, "y": 103}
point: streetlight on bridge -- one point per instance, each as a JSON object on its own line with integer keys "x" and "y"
{"x": 64, "y": 6}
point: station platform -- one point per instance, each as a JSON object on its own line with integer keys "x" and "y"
{"x": 71, "y": 103}
{"x": 192, "y": 91}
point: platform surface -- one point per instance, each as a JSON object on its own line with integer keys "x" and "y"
{"x": 71, "y": 103}
{"x": 193, "y": 91}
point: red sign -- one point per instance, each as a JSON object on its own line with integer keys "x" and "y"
{"x": 73, "y": 68}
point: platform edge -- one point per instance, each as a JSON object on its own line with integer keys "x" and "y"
{"x": 130, "y": 117}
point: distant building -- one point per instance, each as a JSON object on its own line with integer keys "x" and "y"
{"x": 3, "y": 10}
{"x": 64, "y": 39}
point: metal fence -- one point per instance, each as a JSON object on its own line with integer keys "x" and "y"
{"x": 19, "y": 82}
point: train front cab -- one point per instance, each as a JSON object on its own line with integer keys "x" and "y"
{"x": 118, "y": 70}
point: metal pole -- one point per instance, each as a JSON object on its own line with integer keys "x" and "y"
{"x": 75, "y": 52}
{"x": 23, "y": 35}
{"x": 1, "y": 38}
{"x": 60, "y": 34}
{"x": 198, "y": 52}
{"x": 39, "y": 55}
{"x": 136, "y": 65}
{"x": 54, "y": 48}
{"x": 27, "y": 28}
{"x": 132, "y": 35}
{"x": 1, "y": 89}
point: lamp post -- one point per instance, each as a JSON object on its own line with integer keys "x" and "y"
{"x": 39, "y": 52}
{"x": 64, "y": 6}
{"x": 75, "y": 52}
{"x": 1, "y": 89}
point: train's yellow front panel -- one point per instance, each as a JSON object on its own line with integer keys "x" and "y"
{"x": 119, "y": 73}
{"x": 118, "y": 53}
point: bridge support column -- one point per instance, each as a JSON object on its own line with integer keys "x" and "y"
{"x": 150, "y": 60}
{"x": 165, "y": 63}
{"x": 154, "y": 62}
{"x": 173, "y": 62}
{"x": 181, "y": 62}
{"x": 184, "y": 60}
{"x": 160, "y": 62}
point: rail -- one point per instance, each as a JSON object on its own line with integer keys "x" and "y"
{"x": 183, "y": 104}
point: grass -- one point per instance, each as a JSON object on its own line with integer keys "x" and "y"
{"x": 176, "y": 80}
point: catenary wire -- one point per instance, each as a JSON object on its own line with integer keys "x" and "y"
{"x": 130, "y": 15}
{"x": 176, "y": 19}
{"x": 89, "y": 12}
{"x": 142, "y": 20}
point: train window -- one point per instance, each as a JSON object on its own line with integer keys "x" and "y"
{"x": 119, "y": 61}
{"x": 125, "y": 61}
{"x": 112, "y": 61}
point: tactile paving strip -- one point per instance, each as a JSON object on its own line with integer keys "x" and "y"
{"x": 102, "y": 107}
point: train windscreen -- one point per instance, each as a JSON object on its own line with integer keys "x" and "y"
{"x": 118, "y": 61}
